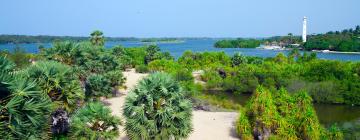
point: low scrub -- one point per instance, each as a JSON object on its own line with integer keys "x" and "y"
{"x": 157, "y": 109}
{"x": 277, "y": 115}
{"x": 94, "y": 121}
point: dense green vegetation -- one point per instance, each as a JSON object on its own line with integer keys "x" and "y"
{"x": 68, "y": 81}
{"x": 238, "y": 43}
{"x": 93, "y": 122}
{"x": 347, "y": 40}
{"x": 285, "y": 41}
{"x": 278, "y": 115}
{"x": 23, "y": 108}
{"x": 58, "y": 82}
{"x": 157, "y": 109}
{"x": 326, "y": 81}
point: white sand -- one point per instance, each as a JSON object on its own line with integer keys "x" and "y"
{"x": 207, "y": 125}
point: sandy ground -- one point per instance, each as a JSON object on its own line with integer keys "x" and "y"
{"x": 207, "y": 125}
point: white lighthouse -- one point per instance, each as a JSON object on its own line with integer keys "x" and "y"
{"x": 304, "y": 30}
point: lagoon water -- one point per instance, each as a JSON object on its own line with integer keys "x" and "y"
{"x": 195, "y": 45}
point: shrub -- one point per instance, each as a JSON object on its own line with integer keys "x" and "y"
{"x": 163, "y": 65}
{"x": 24, "y": 111}
{"x": 141, "y": 69}
{"x": 183, "y": 75}
{"x": 116, "y": 78}
{"x": 157, "y": 109}
{"x": 94, "y": 121}
{"x": 238, "y": 59}
{"x": 97, "y": 86}
{"x": 58, "y": 82}
{"x": 281, "y": 116}
{"x": 243, "y": 127}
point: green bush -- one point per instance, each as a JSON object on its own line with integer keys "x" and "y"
{"x": 116, "y": 78}
{"x": 94, "y": 121}
{"x": 58, "y": 81}
{"x": 141, "y": 69}
{"x": 157, "y": 109}
{"x": 278, "y": 115}
{"x": 183, "y": 75}
{"x": 24, "y": 110}
{"x": 97, "y": 86}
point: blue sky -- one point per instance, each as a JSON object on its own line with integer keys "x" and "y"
{"x": 176, "y": 18}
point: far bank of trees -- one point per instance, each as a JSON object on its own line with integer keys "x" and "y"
{"x": 347, "y": 40}
{"x": 238, "y": 43}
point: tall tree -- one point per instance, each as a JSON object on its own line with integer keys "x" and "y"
{"x": 97, "y": 38}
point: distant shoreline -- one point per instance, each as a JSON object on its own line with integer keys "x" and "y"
{"x": 328, "y": 51}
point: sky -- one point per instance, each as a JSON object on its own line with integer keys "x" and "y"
{"x": 176, "y": 18}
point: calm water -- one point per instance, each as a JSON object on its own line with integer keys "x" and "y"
{"x": 345, "y": 116}
{"x": 198, "y": 45}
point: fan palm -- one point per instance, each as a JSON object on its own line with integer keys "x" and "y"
{"x": 97, "y": 38}
{"x": 23, "y": 109}
{"x": 94, "y": 122}
{"x": 58, "y": 82}
{"x": 97, "y": 86}
{"x": 157, "y": 109}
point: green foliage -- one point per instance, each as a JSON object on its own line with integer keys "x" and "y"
{"x": 238, "y": 43}
{"x": 64, "y": 52}
{"x": 347, "y": 41}
{"x": 157, "y": 109}
{"x": 137, "y": 55}
{"x": 243, "y": 127}
{"x": 277, "y": 115}
{"x": 23, "y": 109}
{"x": 58, "y": 82}
{"x": 97, "y": 38}
{"x": 335, "y": 133}
{"x": 220, "y": 101}
{"x": 192, "y": 60}
{"x": 94, "y": 121}
{"x": 115, "y": 77}
{"x": 153, "y": 53}
{"x": 238, "y": 59}
{"x": 163, "y": 65}
{"x": 141, "y": 69}
{"x": 327, "y": 81}
{"x": 97, "y": 86}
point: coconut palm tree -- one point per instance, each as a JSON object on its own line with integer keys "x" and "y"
{"x": 97, "y": 38}
{"x": 23, "y": 109}
{"x": 157, "y": 109}
{"x": 94, "y": 122}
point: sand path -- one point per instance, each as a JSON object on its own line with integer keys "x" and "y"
{"x": 207, "y": 125}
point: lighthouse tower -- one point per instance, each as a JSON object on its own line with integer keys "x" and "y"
{"x": 304, "y": 30}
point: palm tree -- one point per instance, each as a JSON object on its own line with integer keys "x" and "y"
{"x": 23, "y": 109}
{"x": 157, "y": 109}
{"x": 63, "y": 52}
{"x": 58, "y": 81}
{"x": 94, "y": 122}
{"x": 238, "y": 59}
{"x": 97, "y": 38}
